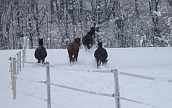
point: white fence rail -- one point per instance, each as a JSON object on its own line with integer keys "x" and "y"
{"x": 15, "y": 67}
{"x": 48, "y": 83}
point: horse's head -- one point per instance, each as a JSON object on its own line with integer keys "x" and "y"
{"x": 91, "y": 32}
{"x": 97, "y": 29}
{"x": 40, "y": 42}
{"x": 78, "y": 41}
{"x": 99, "y": 44}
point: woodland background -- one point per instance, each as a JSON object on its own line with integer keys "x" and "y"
{"x": 121, "y": 23}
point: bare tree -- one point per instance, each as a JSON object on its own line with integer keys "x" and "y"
{"x": 122, "y": 23}
{"x": 170, "y": 2}
{"x": 154, "y": 13}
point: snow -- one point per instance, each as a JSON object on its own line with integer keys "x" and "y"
{"x": 152, "y": 62}
{"x": 158, "y": 13}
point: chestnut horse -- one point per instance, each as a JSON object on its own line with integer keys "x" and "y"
{"x": 100, "y": 55}
{"x": 73, "y": 49}
{"x": 40, "y": 52}
{"x": 87, "y": 40}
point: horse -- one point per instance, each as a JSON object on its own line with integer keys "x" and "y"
{"x": 40, "y": 52}
{"x": 88, "y": 40}
{"x": 100, "y": 55}
{"x": 73, "y": 49}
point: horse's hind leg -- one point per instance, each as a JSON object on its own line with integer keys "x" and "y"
{"x": 76, "y": 58}
{"x": 98, "y": 63}
{"x": 43, "y": 60}
{"x": 104, "y": 62}
{"x": 70, "y": 58}
{"x": 39, "y": 60}
{"x": 88, "y": 46}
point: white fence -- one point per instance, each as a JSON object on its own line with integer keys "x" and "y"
{"x": 14, "y": 74}
{"x": 15, "y": 68}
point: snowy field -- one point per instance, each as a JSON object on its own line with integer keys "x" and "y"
{"x": 152, "y": 62}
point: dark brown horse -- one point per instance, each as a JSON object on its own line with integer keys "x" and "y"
{"x": 40, "y": 52}
{"x": 73, "y": 49}
{"x": 88, "y": 39}
{"x": 100, "y": 55}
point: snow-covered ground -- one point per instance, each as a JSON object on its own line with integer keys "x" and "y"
{"x": 153, "y": 62}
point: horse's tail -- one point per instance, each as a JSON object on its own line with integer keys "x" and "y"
{"x": 40, "y": 52}
{"x": 72, "y": 52}
{"x": 101, "y": 56}
{"x": 72, "y": 48}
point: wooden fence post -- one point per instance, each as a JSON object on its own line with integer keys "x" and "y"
{"x": 20, "y": 60}
{"x": 11, "y": 67}
{"x": 24, "y": 56}
{"x": 48, "y": 85}
{"x": 117, "y": 94}
{"x": 14, "y": 78}
{"x": 24, "y": 50}
{"x": 17, "y": 63}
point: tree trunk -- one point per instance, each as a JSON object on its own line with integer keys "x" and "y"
{"x": 170, "y": 2}
{"x": 153, "y": 12}
{"x": 136, "y": 9}
{"x": 1, "y": 26}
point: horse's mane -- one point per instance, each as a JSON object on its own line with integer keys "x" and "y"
{"x": 91, "y": 32}
{"x": 77, "y": 40}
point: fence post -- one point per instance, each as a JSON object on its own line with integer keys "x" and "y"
{"x": 17, "y": 63}
{"x": 24, "y": 56}
{"x": 48, "y": 85}
{"x": 24, "y": 50}
{"x": 11, "y": 68}
{"x": 116, "y": 85}
{"x": 14, "y": 78}
{"x": 20, "y": 60}
{"x": 25, "y": 53}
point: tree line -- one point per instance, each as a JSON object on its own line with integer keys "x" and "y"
{"x": 121, "y": 23}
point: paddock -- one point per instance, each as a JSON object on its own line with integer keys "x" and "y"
{"x": 142, "y": 75}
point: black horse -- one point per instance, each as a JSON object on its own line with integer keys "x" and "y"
{"x": 100, "y": 55}
{"x": 88, "y": 40}
{"x": 40, "y": 52}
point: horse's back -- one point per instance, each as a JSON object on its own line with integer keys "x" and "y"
{"x": 104, "y": 54}
{"x": 87, "y": 40}
{"x": 101, "y": 54}
{"x": 40, "y": 53}
{"x": 73, "y": 49}
{"x": 84, "y": 40}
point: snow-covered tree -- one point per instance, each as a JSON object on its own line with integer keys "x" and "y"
{"x": 121, "y": 23}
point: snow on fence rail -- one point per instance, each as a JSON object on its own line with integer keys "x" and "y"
{"x": 14, "y": 67}
{"x": 145, "y": 77}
